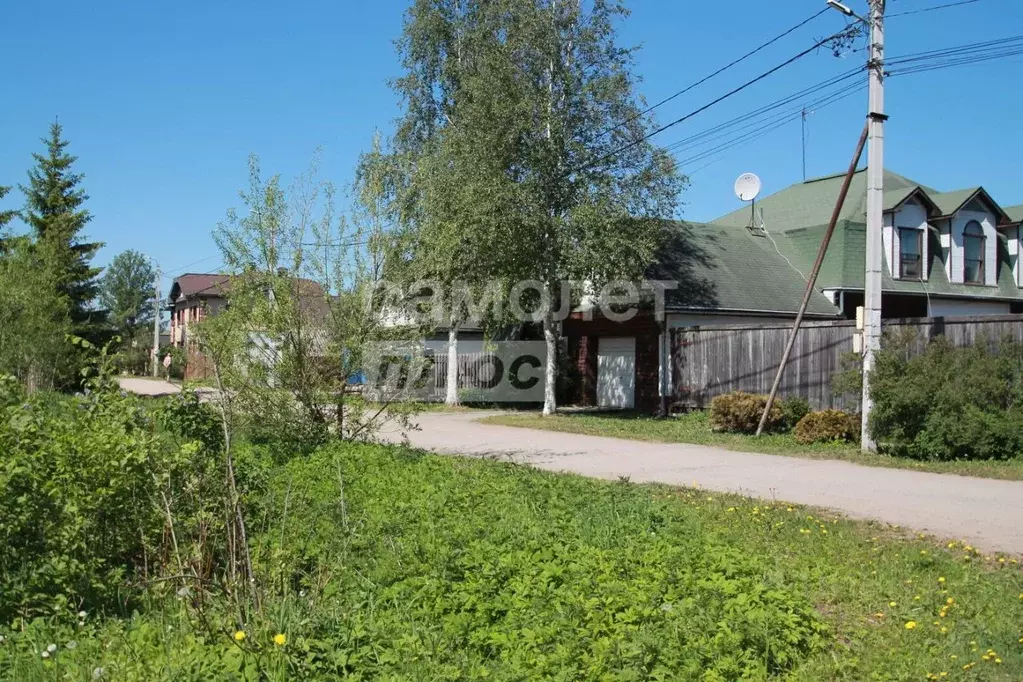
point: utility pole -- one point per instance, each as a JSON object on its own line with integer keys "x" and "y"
{"x": 875, "y": 204}
{"x": 156, "y": 324}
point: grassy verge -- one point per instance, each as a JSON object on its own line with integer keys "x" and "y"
{"x": 409, "y": 566}
{"x": 695, "y": 428}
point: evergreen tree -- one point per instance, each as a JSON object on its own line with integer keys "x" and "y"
{"x": 54, "y": 211}
{"x": 5, "y": 216}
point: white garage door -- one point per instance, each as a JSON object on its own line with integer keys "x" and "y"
{"x": 616, "y": 372}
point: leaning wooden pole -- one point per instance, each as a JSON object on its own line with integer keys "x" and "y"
{"x": 813, "y": 275}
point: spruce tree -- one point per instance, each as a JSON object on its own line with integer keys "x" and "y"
{"x": 5, "y": 216}
{"x": 54, "y": 210}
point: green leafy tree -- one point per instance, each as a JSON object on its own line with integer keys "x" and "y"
{"x": 33, "y": 316}
{"x": 523, "y": 141}
{"x": 127, "y": 293}
{"x": 54, "y": 210}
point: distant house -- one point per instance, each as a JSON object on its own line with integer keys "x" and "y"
{"x": 945, "y": 254}
{"x": 195, "y": 296}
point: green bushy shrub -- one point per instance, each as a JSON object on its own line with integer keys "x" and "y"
{"x": 793, "y": 409}
{"x": 739, "y": 412}
{"x": 827, "y": 426}
{"x": 85, "y": 482}
{"x": 947, "y": 403}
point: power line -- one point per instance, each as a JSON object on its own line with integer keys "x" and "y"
{"x": 724, "y": 68}
{"x": 767, "y": 128}
{"x": 957, "y": 56}
{"x": 185, "y": 267}
{"x": 932, "y": 9}
{"x": 713, "y": 102}
{"x": 797, "y": 97}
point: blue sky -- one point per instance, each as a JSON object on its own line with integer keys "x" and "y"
{"x": 164, "y": 102}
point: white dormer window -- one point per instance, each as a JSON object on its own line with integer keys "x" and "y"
{"x": 911, "y": 253}
{"x": 973, "y": 253}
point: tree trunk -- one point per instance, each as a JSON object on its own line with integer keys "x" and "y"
{"x": 550, "y": 403}
{"x": 451, "y": 397}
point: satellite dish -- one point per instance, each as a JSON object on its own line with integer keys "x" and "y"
{"x": 747, "y": 187}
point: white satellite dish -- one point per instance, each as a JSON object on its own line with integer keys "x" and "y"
{"x": 747, "y": 187}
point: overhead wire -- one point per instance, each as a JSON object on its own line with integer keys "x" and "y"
{"x": 730, "y": 93}
{"x": 932, "y": 9}
{"x": 724, "y": 68}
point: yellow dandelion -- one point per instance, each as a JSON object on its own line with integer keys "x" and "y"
{"x": 951, "y": 545}
{"x": 910, "y": 624}
{"x": 998, "y": 660}
{"x": 923, "y": 552}
{"x": 239, "y": 636}
{"x": 950, "y": 601}
{"x": 941, "y": 579}
{"x": 916, "y": 598}
{"x": 953, "y": 657}
{"x": 968, "y": 548}
{"x": 891, "y": 603}
{"x": 280, "y": 639}
{"x": 943, "y": 630}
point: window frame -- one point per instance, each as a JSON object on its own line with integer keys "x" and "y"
{"x": 918, "y": 235}
{"x": 982, "y": 241}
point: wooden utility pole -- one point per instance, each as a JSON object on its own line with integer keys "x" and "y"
{"x": 156, "y": 324}
{"x": 821, "y": 252}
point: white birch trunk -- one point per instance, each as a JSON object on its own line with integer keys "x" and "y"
{"x": 451, "y": 398}
{"x": 550, "y": 403}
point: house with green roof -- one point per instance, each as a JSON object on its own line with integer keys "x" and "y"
{"x": 946, "y": 254}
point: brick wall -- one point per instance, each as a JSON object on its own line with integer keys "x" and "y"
{"x": 583, "y": 341}
{"x": 647, "y": 362}
{"x": 583, "y": 353}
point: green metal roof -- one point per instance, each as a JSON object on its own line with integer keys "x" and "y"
{"x": 812, "y": 202}
{"x": 950, "y": 202}
{"x": 732, "y": 269}
{"x": 797, "y": 218}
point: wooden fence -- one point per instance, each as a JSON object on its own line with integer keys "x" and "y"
{"x": 475, "y": 371}
{"x": 711, "y": 360}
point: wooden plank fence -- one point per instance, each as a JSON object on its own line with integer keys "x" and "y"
{"x": 714, "y": 359}
{"x": 475, "y": 371}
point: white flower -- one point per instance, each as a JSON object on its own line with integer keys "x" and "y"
{"x": 81, "y": 614}
{"x": 51, "y": 648}
{"x": 97, "y": 673}
{"x": 72, "y": 644}
{"x": 46, "y": 654}
{"x": 1, "y": 639}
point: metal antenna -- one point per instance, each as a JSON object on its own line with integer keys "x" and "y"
{"x": 803, "y": 140}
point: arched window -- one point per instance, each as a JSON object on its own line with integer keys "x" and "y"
{"x": 973, "y": 253}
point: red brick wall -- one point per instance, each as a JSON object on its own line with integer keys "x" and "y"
{"x": 647, "y": 361}
{"x": 583, "y": 340}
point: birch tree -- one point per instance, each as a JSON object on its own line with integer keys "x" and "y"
{"x": 520, "y": 155}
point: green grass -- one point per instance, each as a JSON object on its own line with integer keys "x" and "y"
{"x": 397, "y": 565}
{"x": 695, "y": 428}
